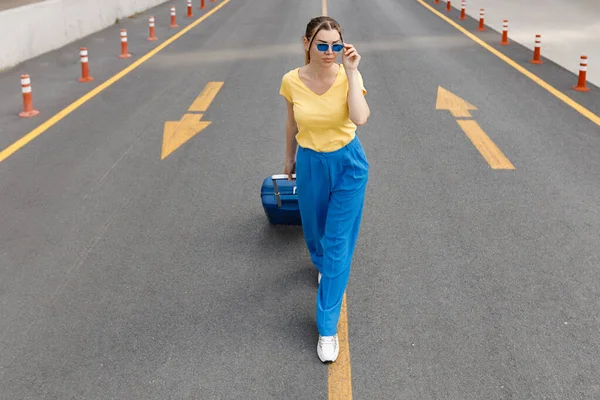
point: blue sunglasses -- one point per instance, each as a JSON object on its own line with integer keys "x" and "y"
{"x": 325, "y": 46}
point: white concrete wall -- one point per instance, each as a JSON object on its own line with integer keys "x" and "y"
{"x": 35, "y": 29}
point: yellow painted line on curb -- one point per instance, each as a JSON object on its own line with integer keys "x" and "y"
{"x": 557, "y": 93}
{"x": 7, "y": 152}
{"x": 340, "y": 371}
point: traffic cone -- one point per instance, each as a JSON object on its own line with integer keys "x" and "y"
{"x": 124, "y": 47}
{"x": 504, "y": 40}
{"x": 581, "y": 84}
{"x": 28, "y": 110}
{"x": 173, "y": 18}
{"x": 536, "y": 51}
{"x": 85, "y": 69}
{"x": 152, "y": 35}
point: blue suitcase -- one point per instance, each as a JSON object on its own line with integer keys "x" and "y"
{"x": 280, "y": 200}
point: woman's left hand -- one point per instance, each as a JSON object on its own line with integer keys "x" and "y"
{"x": 350, "y": 58}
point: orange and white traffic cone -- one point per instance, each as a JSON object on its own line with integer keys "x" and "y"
{"x": 190, "y": 13}
{"x": 504, "y": 40}
{"x": 173, "y": 18}
{"x": 481, "y": 20}
{"x": 85, "y": 69}
{"x": 202, "y": 5}
{"x": 28, "y": 110}
{"x": 152, "y": 35}
{"x": 463, "y": 10}
{"x": 581, "y": 84}
{"x": 537, "y": 50}
{"x": 124, "y": 47}
{"x": 448, "y": 6}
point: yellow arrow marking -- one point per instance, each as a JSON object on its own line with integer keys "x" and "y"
{"x": 492, "y": 154}
{"x": 460, "y": 108}
{"x": 177, "y": 133}
{"x": 209, "y": 93}
{"x": 451, "y": 102}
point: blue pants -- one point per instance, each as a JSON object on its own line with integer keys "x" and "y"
{"x": 331, "y": 190}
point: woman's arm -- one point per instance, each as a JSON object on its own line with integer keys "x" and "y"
{"x": 357, "y": 103}
{"x": 291, "y": 129}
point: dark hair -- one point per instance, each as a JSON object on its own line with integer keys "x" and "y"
{"x": 314, "y": 26}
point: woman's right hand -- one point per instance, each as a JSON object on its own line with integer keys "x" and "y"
{"x": 289, "y": 168}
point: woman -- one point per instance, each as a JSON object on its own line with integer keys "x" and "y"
{"x": 325, "y": 103}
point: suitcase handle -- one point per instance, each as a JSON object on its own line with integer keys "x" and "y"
{"x": 275, "y": 178}
{"x": 282, "y": 176}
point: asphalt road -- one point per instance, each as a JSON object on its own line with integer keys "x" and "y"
{"x": 130, "y": 277}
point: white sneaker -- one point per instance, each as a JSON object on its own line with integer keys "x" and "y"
{"x": 328, "y": 348}
{"x": 319, "y": 278}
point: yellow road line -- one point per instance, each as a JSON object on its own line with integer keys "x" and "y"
{"x": 492, "y": 154}
{"x": 340, "y": 372}
{"x": 572, "y": 103}
{"x": 204, "y": 99}
{"x": 7, "y": 152}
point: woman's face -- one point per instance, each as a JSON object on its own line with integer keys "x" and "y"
{"x": 325, "y": 47}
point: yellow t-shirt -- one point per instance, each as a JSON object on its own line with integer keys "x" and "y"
{"x": 323, "y": 121}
